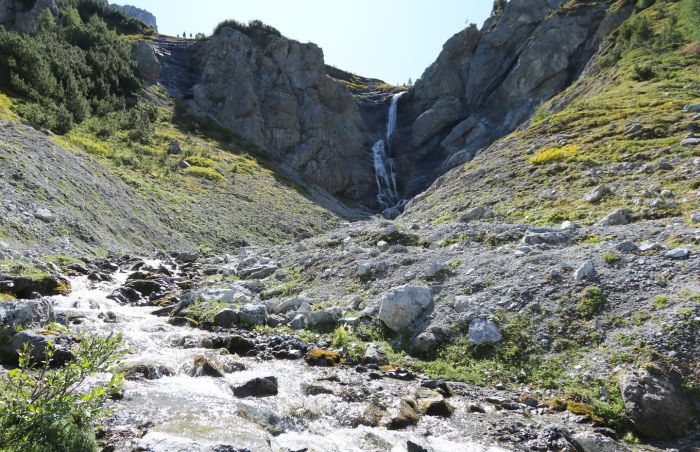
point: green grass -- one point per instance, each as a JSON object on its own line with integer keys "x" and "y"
{"x": 555, "y": 154}
{"x": 23, "y": 269}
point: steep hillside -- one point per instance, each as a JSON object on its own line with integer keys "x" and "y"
{"x": 620, "y": 137}
{"x": 103, "y": 191}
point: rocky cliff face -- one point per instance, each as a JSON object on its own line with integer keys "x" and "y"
{"x": 276, "y": 94}
{"x": 487, "y": 82}
{"x": 138, "y": 13}
{"x": 22, "y": 15}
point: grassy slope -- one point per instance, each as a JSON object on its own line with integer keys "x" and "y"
{"x": 511, "y": 175}
{"x": 226, "y": 198}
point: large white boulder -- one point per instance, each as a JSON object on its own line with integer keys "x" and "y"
{"x": 402, "y": 306}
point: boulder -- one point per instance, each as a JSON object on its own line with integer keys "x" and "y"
{"x": 424, "y": 345}
{"x": 546, "y": 237}
{"x": 406, "y": 416}
{"x": 147, "y": 62}
{"x": 585, "y": 272}
{"x": 257, "y": 387}
{"x": 227, "y": 318}
{"x": 617, "y": 218}
{"x": 324, "y": 318}
{"x": 627, "y": 246}
{"x": 597, "y": 193}
{"x": 38, "y": 341}
{"x": 251, "y": 315}
{"x": 484, "y": 331}
{"x": 678, "y": 253}
{"x": 265, "y": 418}
{"x": 402, "y": 306}
{"x": 237, "y": 344}
{"x": 476, "y": 214}
{"x": 656, "y": 403}
{"x": 26, "y": 312}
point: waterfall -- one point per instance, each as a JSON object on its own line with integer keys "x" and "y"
{"x": 385, "y": 167}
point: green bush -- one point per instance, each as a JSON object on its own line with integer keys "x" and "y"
{"x": 69, "y": 70}
{"x": 637, "y": 30}
{"x": 690, "y": 14}
{"x": 44, "y": 409}
{"x": 591, "y": 302}
{"x": 259, "y": 32}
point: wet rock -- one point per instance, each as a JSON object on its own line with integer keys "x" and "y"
{"x": 26, "y": 312}
{"x": 484, "y": 331}
{"x": 371, "y": 416}
{"x": 414, "y": 447}
{"x": 145, "y": 287}
{"x": 265, "y": 418}
{"x": 322, "y": 358}
{"x": 402, "y": 306}
{"x": 257, "y": 387}
{"x": 438, "y": 407}
{"x": 237, "y": 344}
{"x": 24, "y": 287}
{"x": 147, "y": 371}
{"x": 205, "y": 367}
{"x": 656, "y": 403}
{"x": 182, "y": 321}
{"x": 311, "y": 389}
{"x": 406, "y": 416}
{"x": 125, "y": 296}
{"x": 617, "y": 218}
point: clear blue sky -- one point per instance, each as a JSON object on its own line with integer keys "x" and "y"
{"x": 387, "y": 39}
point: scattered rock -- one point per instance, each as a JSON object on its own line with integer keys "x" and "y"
{"x": 627, "y": 246}
{"x": 26, "y": 312}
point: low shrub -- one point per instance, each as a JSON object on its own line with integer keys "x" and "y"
{"x": 554, "y": 154}
{"x": 591, "y": 302}
{"x": 44, "y": 409}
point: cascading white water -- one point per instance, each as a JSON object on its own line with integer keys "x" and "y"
{"x": 384, "y": 166}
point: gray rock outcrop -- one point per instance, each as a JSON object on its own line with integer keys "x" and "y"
{"x": 487, "y": 82}
{"x": 23, "y": 16}
{"x": 138, "y": 13}
{"x": 146, "y": 62}
{"x": 276, "y": 94}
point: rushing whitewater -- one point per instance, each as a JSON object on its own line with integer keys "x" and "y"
{"x": 384, "y": 166}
